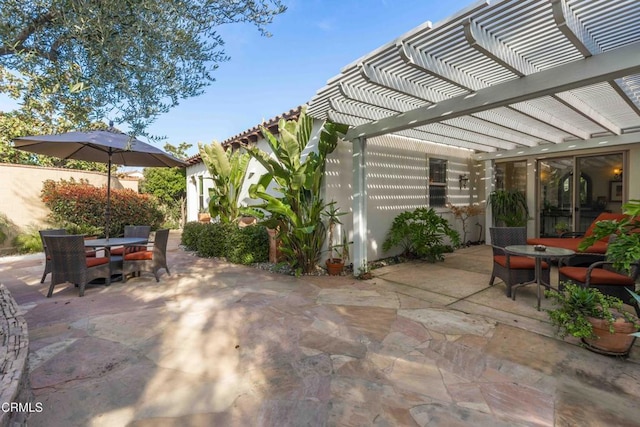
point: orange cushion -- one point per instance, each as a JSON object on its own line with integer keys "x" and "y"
{"x": 129, "y": 249}
{"x": 94, "y": 261}
{"x": 599, "y": 276}
{"x": 598, "y": 247}
{"x": 139, "y": 256}
{"x": 90, "y": 253}
{"x": 518, "y": 262}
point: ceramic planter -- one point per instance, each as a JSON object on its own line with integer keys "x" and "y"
{"x": 335, "y": 266}
{"x": 617, "y": 344}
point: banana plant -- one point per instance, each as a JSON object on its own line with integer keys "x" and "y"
{"x": 297, "y": 173}
{"x": 227, "y": 169}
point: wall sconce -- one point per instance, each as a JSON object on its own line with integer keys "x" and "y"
{"x": 462, "y": 181}
{"x": 617, "y": 174}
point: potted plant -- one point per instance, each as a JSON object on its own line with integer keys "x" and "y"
{"x": 562, "y": 227}
{"x": 509, "y": 208}
{"x": 599, "y": 320}
{"x": 204, "y": 215}
{"x": 337, "y": 252}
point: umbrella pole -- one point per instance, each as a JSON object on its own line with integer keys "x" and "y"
{"x": 108, "y": 210}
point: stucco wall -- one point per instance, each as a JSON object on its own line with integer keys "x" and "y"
{"x": 396, "y": 179}
{"x": 396, "y": 182}
{"x": 20, "y": 188}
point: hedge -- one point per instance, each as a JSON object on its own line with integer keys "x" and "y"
{"x": 83, "y": 204}
{"x": 246, "y": 245}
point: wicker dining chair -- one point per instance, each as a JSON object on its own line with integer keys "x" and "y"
{"x": 69, "y": 263}
{"x": 152, "y": 260}
{"x": 133, "y": 231}
{"x": 513, "y": 269}
{"x": 47, "y": 257}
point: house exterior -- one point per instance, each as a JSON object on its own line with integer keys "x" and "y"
{"x": 536, "y": 95}
{"x": 398, "y": 177}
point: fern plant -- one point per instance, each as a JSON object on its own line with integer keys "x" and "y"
{"x": 421, "y": 234}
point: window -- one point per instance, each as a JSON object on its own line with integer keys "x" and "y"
{"x": 437, "y": 183}
{"x": 201, "y": 192}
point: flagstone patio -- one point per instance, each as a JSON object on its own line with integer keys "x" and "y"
{"x": 219, "y": 344}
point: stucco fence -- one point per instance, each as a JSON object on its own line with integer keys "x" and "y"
{"x": 20, "y": 191}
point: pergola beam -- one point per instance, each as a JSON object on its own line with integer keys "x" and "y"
{"x": 492, "y": 47}
{"x": 438, "y": 68}
{"x": 391, "y": 81}
{"x": 575, "y": 31}
{"x": 606, "y": 66}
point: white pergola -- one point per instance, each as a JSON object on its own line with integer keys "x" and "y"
{"x": 503, "y": 79}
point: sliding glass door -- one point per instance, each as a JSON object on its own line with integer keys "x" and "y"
{"x": 573, "y": 191}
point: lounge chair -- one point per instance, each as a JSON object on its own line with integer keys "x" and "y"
{"x": 572, "y": 241}
{"x": 602, "y": 276}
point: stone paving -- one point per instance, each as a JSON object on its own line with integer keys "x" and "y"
{"x": 215, "y": 344}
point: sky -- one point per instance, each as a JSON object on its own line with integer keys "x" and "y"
{"x": 310, "y": 43}
{"x": 267, "y": 76}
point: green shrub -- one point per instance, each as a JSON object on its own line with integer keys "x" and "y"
{"x": 421, "y": 234}
{"x": 83, "y": 204}
{"x": 190, "y": 233}
{"x": 248, "y": 245}
{"x": 212, "y": 241}
{"x": 29, "y": 242}
{"x": 238, "y": 245}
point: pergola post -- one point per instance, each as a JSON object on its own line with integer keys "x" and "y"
{"x": 489, "y": 187}
{"x": 359, "y": 205}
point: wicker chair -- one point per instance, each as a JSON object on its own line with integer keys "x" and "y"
{"x": 602, "y": 276}
{"x": 510, "y": 268}
{"x": 69, "y": 262}
{"x": 133, "y": 231}
{"x": 151, "y": 260}
{"x": 47, "y": 257}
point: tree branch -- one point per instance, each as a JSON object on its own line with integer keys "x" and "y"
{"x": 18, "y": 44}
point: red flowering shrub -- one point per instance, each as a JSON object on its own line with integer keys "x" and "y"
{"x": 83, "y": 204}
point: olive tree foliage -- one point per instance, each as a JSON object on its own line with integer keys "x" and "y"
{"x": 18, "y": 123}
{"x": 123, "y": 60}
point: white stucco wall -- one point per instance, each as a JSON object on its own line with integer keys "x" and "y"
{"x": 397, "y": 181}
{"x": 396, "y": 178}
{"x": 192, "y": 175}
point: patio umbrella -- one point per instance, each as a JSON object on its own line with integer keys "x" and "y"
{"x": 110, "y": 147}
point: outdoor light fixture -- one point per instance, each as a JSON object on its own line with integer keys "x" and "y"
{"x": 462, "y": 181}
{"x": 617, "y": 174}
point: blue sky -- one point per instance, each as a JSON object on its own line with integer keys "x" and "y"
{"x": 267, "y": 76}
{"x": 310, "y": 43}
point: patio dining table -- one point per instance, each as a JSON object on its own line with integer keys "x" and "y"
{"x": 534, "y": 252}
{"x": 108, "y": 244}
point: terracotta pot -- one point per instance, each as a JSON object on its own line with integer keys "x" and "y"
{"x": 334, "y": 266}
{"x": 204, "y": 217}
{"x": 619, "y": 343}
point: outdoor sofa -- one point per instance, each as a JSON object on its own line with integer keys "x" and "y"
{"x": 593, "y": 253}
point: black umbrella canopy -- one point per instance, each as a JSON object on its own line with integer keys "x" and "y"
{"x": 99, "y": 146}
